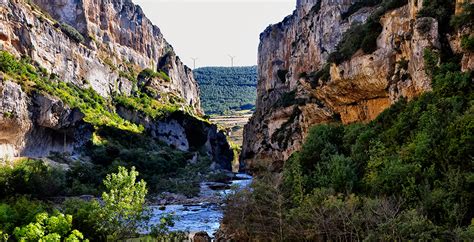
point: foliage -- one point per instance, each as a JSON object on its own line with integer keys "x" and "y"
{"x": 147, "y": 105}
{"x": 31, "y": 176}
{"x": 315, "y": 77}
{"x": 85, "y": 217}
{"x": 72, "y": 33}
{"x": 161, "y": 231}
{"x": 467, "y": 43}
{"x": 405, "y": 176}
{"x": 95, "y": 108}
{"x": 18, "y": 211}
{"x": 440, "y": 10}
{"x": 123, "y": 209}
{"x": 358, "y": 5}
{"x": 464, "y": 19}
{"x": 227, "y": 89}
{"x": 57, "y": 227}
{"x": 150, "y": 74}
{"x": 363, "y": 36}
{"x": 121, "y": 212}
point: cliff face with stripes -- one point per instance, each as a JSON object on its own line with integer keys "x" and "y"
{"x": 117, "y": 38}
{"x": 301, "y": 85}
{"x": 98, "y": 47}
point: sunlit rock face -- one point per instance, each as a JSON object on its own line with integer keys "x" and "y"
{"x": 358, "y": 89}
{"x": 118, "y": 37}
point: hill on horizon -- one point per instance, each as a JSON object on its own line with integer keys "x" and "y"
{"x": 226, "y": 90}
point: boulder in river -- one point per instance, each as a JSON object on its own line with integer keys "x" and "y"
{"x": 201, "y": 237}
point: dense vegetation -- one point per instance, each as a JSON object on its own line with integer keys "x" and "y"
{"x": 26, "y": 185}
{"x": 407, "y": 175}
{"x": 72, "y": 32}
{"x": 115, "y": 141}
{"x": 120, "y": 214}
{"x": 227, "y": 89}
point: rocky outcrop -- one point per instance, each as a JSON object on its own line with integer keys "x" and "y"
{"x": 36, "y": 126}
{"x": 118, "y": 38}
{"x": 102, "y": 45}
{"x": 187, "y": 133}
{"x": 289, "y": 101}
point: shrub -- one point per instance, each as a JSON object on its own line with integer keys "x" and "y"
{"x": 8, "y": 63}
{"x": 72, "y": 33}
{"x": 464, "y": 19}
{"x": 32, "y": 177}
{"x": 49, "y": 228}
{"x": 358, "y": 5}
{"x": 161, "y": 231}
{"x": 467, "y": 43}
{"x": 147, "y": 105}
{"x": 323, "y": 75}
{"x": 431, "y": 61}
{"x": 440, "y": 10}
{"x": 150, "y": 74}
{"x": 84, "y": 214}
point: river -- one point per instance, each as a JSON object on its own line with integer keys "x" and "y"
{"x": 202, "y": 216}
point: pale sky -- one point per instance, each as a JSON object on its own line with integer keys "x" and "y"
{"x": 211, "y": 30}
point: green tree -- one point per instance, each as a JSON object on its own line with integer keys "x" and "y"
{"x": 123, "y": 210}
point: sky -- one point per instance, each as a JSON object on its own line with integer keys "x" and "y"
{"x": 211, "y": 30}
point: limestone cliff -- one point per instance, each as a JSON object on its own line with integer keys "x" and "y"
{"x": 118, "y": 38}
{"x": 103, "y": 46}
{"x": 357, "y": 89}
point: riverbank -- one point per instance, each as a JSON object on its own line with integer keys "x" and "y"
{"x": 202, "y": 213}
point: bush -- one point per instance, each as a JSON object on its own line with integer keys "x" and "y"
{"x": 323, "y": 75}
{"x": 358, "y": 5}
{"x": 150, "y": 74}
{"x": 72, "y": 33}
{"x": 440, "y": 10}
{"x": 404, "y": 176}
{"x": 147, "y": 105}
{"x": 467, "y": 43}
{"x": 32, "y": 177}
{"x": 19, "y": 211}
{"x": 49, "y": 228}
{"x": 464, "y": 19}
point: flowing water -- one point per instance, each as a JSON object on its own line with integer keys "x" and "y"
{"x": 201, "y": 216}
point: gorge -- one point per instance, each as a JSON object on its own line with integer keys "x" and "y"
{"x": 363, "y": 127}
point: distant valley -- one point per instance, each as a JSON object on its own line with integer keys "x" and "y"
{"x": 227, "y": 90}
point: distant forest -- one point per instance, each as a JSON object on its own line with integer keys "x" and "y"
{"x": 227, "y": 89}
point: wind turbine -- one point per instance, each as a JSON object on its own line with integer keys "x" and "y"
{"x": 232, "y": 60}
{"x": 194, "y": 61}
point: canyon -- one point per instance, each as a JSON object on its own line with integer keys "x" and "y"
{"x": 291, "y": 100}
{"x": 100, "y": 46}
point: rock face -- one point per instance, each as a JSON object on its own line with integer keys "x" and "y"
{"x": 358, "y": 89}
{"x": 38, "y": 125}
{"x": 187, "y": 133}
{"x": 117, "y": 36}
{"x": 102, "y": 45}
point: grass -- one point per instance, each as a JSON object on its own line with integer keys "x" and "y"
{"x": 97, "y": 110}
